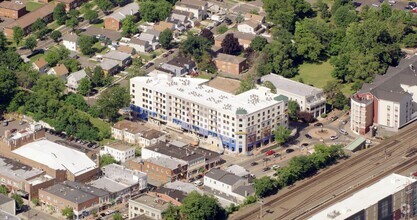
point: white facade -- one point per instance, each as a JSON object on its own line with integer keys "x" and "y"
{"x": 245, "y": 28}
{"x": 147, "y": 205}
{"x": 310, "y": 99}
{"x": 126, "y": 136}
{"x": 119, "y": 154}
{"x": 70, "y": 45}
{"x": 394, "y": 114}
{"x": 224, "y": 187}
{"x": 238, "y": 123}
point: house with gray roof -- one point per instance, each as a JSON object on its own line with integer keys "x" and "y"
{"x": 309, "y": 98}
{"x": 109, "y": 66}
{"x": 179, "y": 65}
{"x": 124, "y": 59}
{"x": 227, "y": 186}
{"x": 389, "y": 102}
{"x": 114, "y": 20}
{"x": 74, "y": 79}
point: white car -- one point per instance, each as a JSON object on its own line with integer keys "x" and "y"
{"x": 334, "y": 137}
{"x": 342, "y": 131}
{"x": 198, "y": 183}
{"x": 275, "y": 166}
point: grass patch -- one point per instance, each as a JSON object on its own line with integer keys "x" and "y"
{"x": 31, "y": 6}
{"x": 102, "y": 126}
{"x": 204, "y": 76}
{"x": 318, "y": 75}
{"x": 54, "y": 25}
{"x": 37, "y": 56}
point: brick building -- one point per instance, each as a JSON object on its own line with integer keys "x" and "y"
{"x": 161, "y": 169}
{"x": 12, "y": 10}
{"x": 230, "y": 64}
{"x": 70, "y": 4}
{"x": 114, "y": 21}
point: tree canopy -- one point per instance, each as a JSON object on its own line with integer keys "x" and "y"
{"x": 153, "y": 11}
{"x": 86, "y": 44}
{"x": 195, "y": 47}
{"x": 165, "y": 38}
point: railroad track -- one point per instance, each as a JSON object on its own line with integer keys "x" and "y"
{"x": 367, "y": 159}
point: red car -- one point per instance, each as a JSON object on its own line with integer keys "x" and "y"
{"x": 269, "y": 152}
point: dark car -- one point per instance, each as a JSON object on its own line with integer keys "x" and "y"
{"x": 191, "y": 180}
{"x": 308, "y": 136}
{"x": 253, "y": 163}
{"x": 265, "y": 169}
{"x": 13, "y": 130}
{"x": 148, "y": 65}
{"x": 228, "y": 21}
{"x": 408, "y": 7}
{"x": 276, "y": 155}
{"x": 412, "y": 4}
{"x": 199, "y": 176}
{"x": 334, "y": 118}
{"x": 266, "y": 159}
{"x": 318, "y": 124}
{"x": 289, "y": 150}
{"x": 304, "y": 144}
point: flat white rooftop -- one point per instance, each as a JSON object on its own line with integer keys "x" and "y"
{"x": 365, "y": 198}
{"x": 291, "y": 86}
{"x": 57, "y": 157}
{"x": 196, "y": 91}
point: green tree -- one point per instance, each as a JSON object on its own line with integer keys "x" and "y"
{"x": 56, "y": 54}
{"x": 86, "y": 44}
{"x": 281, "y": 134}
{"x": 258, "y": 43}
{"x": 171, "y": 213}
{"x": 38, "y": 25}
{"x": 206, "y": 33}
{"x": 165, "y": 38}
{"x": 312, "y": 37}
{"x": 285, "y": 13}
{"x": 106, "y": 159}
{"x": 71, "y": 64}
{"x": 35, "y": 201}
{"x": 8, "y": 84}
{"x": 153, "y": 11}
{"x": 72, "y": 22}
{"x": 293, "y": 110}
{"x": 117, "y": 216}
{"x": 31, "y": 43}
{"x": 111, "y": 100}
{"x": 27, "y": 76}
{"x": 68, "y": 212}
{"x": 323, "y": 8}
{"x": 19, "y": 201}
{"x": 270, "y": 86}
{"x": 249, "y": 200}
{"x": 230, "y": 45}
{"x": 246, "y": 83}
{"x": 339, "y": 101}
{"x": 239, "y": 18}
{"x": 138, "y": 151}
{"x": 410, "y": 40}
{"x": 196, "y": 206}
{"x": 77, "y": 101}
{"x": 104, "y": 5}
{"x": 195, "y": 46}
{"x": 91, "y": 16}
{"x": 60, "y": 15}
{"x": 97, "y": 78}
{"x": 280, "y": 58}
{"x": 3, "y": 42}
{"x": 206, "y": 64}
{"x": 56, "y": 35}
{"x": 344, "y": 16}
{"x": 265, "y": 186}
{"x": 222, "y": 29}
{"x": 84, "y": 87}
{"x": 129, "y": 26}
{"x": 18, "y": 35}
{"x": 4, "y": 190}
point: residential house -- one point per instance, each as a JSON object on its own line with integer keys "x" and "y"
{"x": 250, "y": 27}
{"x": 40, "y": 65}
{"x": 151, "y": 137}
{"x": 173, "y": 196}
{"x": 228, "y": 186}
{"x": 237, "y": 170}
{"x": 309, "y": 98}
{"x": 179, "y": 66}
{"x": 25, "y": 22}
{"x": 74, "y": 79}
{"x": 114, "y": 21}
{"x": 161, "y": 169}
{"x": 181, "y": 19}
{"x": 7, "y": 205}
{"x": 230, "y": 64}
{"x": 245, "y": 39}
{"x": 152, "y": 37}
{"x": 70, "y": 41}
{"x": 122, "y": 183}
{"x": 127, "y": 49}
{"x": 70, "y": 4}
{"x": 119, "y": 151}
{"x": 83, "y": 199}
{"x": 163, "y": 25}
{"x": 10, "y": 9}
{"x": 197, "y": 7}
{"x": 60, "y": 71}
{"x": 148, "y": 205}
{"x": 123, "y": 59}
{"x": 184, "y": 187}
{"x": 260, "y": 19}
{"x": 110, "y": 67}
{"x": 128, "y": 131}
{"x": 140, "y": 45}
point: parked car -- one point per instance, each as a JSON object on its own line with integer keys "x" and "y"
{"x": 5, "y": 123}
{"x": 334, "y": 137}
{"x": 198, "y": 183}
{"x": 304, "y": 144}
{"x": 342, "y": 131}
{"x": 344, "y": 122}
{"x": 13, "y": 130}
{"x": 253, "y": 163}
{"x": 392, "y": 1}
{"x": 412, "y": 4}
{"x": 266, "y": 159}
{"x": 22, "y": 122}
{"x": 334, "y": 118}
{"x": 148, "y": 65}
{"x": 308, "y": 136}
{"x": 276, "y": 155}
{"x": 319, "y": 124}
{"x": 289, "y": 150}
{"x": 276, "y": 166}
{"x": 265, "y": 169}
{"x": 408, "y": 7}
{"x": 269, "y": 152}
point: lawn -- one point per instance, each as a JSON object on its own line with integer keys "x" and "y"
{"x": 54, "y": 25}
{"x": 31, "y": 6}
{"x": 37, "y": 56}
{"x": 102, "y": 126}
{"x": 318, "y": 75}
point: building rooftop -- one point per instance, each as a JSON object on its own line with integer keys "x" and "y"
{"x": 118, "y": 145}
{"x": 180, "y": 61}
{"x": 5, "y": 215}
{"x": 173, "y": 193}
{"x": 252, "y": 24}
{"x": 61, "y": 70}
{"x": 12, "y": 5}
{"x": 40, "y": 62}
{"x": 70, "y": 37}
{"x": 162, "y": 25}
{"x": 116, "y": 55}
{"x": 253, "y": 17}
{"x": 230, "y": 58}
{"x": 166, "y": 162}
{"x": 30, "y": 18}
{"x": 168, "y": 149}
{"x": 195, "y": 90}
{"x": 131, "y": 127}
{"x": 153, "y": 32}
{"x": 152, "y": 134}
{"x": 79, "y": 75}
{"x": 75, "y": 192}
{"x": 122, "y": 174}
{"x": 4, "y": 199}
{"x": 126, "y": 49}
{"x": 223, "y": 176}
{"x": 237, "y": 34}
{"x": 138, "y": 41}
{"x": 365, "y": 198}
{"x": 181, "y": 186}
{"x": 129, "y": 9}
{"x": 291, "y": 86}
{"x": 245, "y": 190}
{"x": 237, "y": 170}
{"x": 193, "y": 2}
{"x": 16, "y": 170}
{"x": 57, "y": 157}
{"x": 108, "y": 64}
{"x": 151, "y": 201}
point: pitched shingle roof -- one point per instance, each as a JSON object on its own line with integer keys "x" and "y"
{"x": 223, "y": 176}
{"x": 229, "y": 58}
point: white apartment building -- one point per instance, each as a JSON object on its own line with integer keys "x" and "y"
{"x": 119, "y": 151}
{"x": 238, "y": 123}
{"x": 128, "y": 131}
{"x": 150, "y": 206}
{"x": 197, "y": 7}
{"x": 310, "y": 99}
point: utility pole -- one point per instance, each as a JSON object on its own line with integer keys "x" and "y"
{"x": 261, "y": 214}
